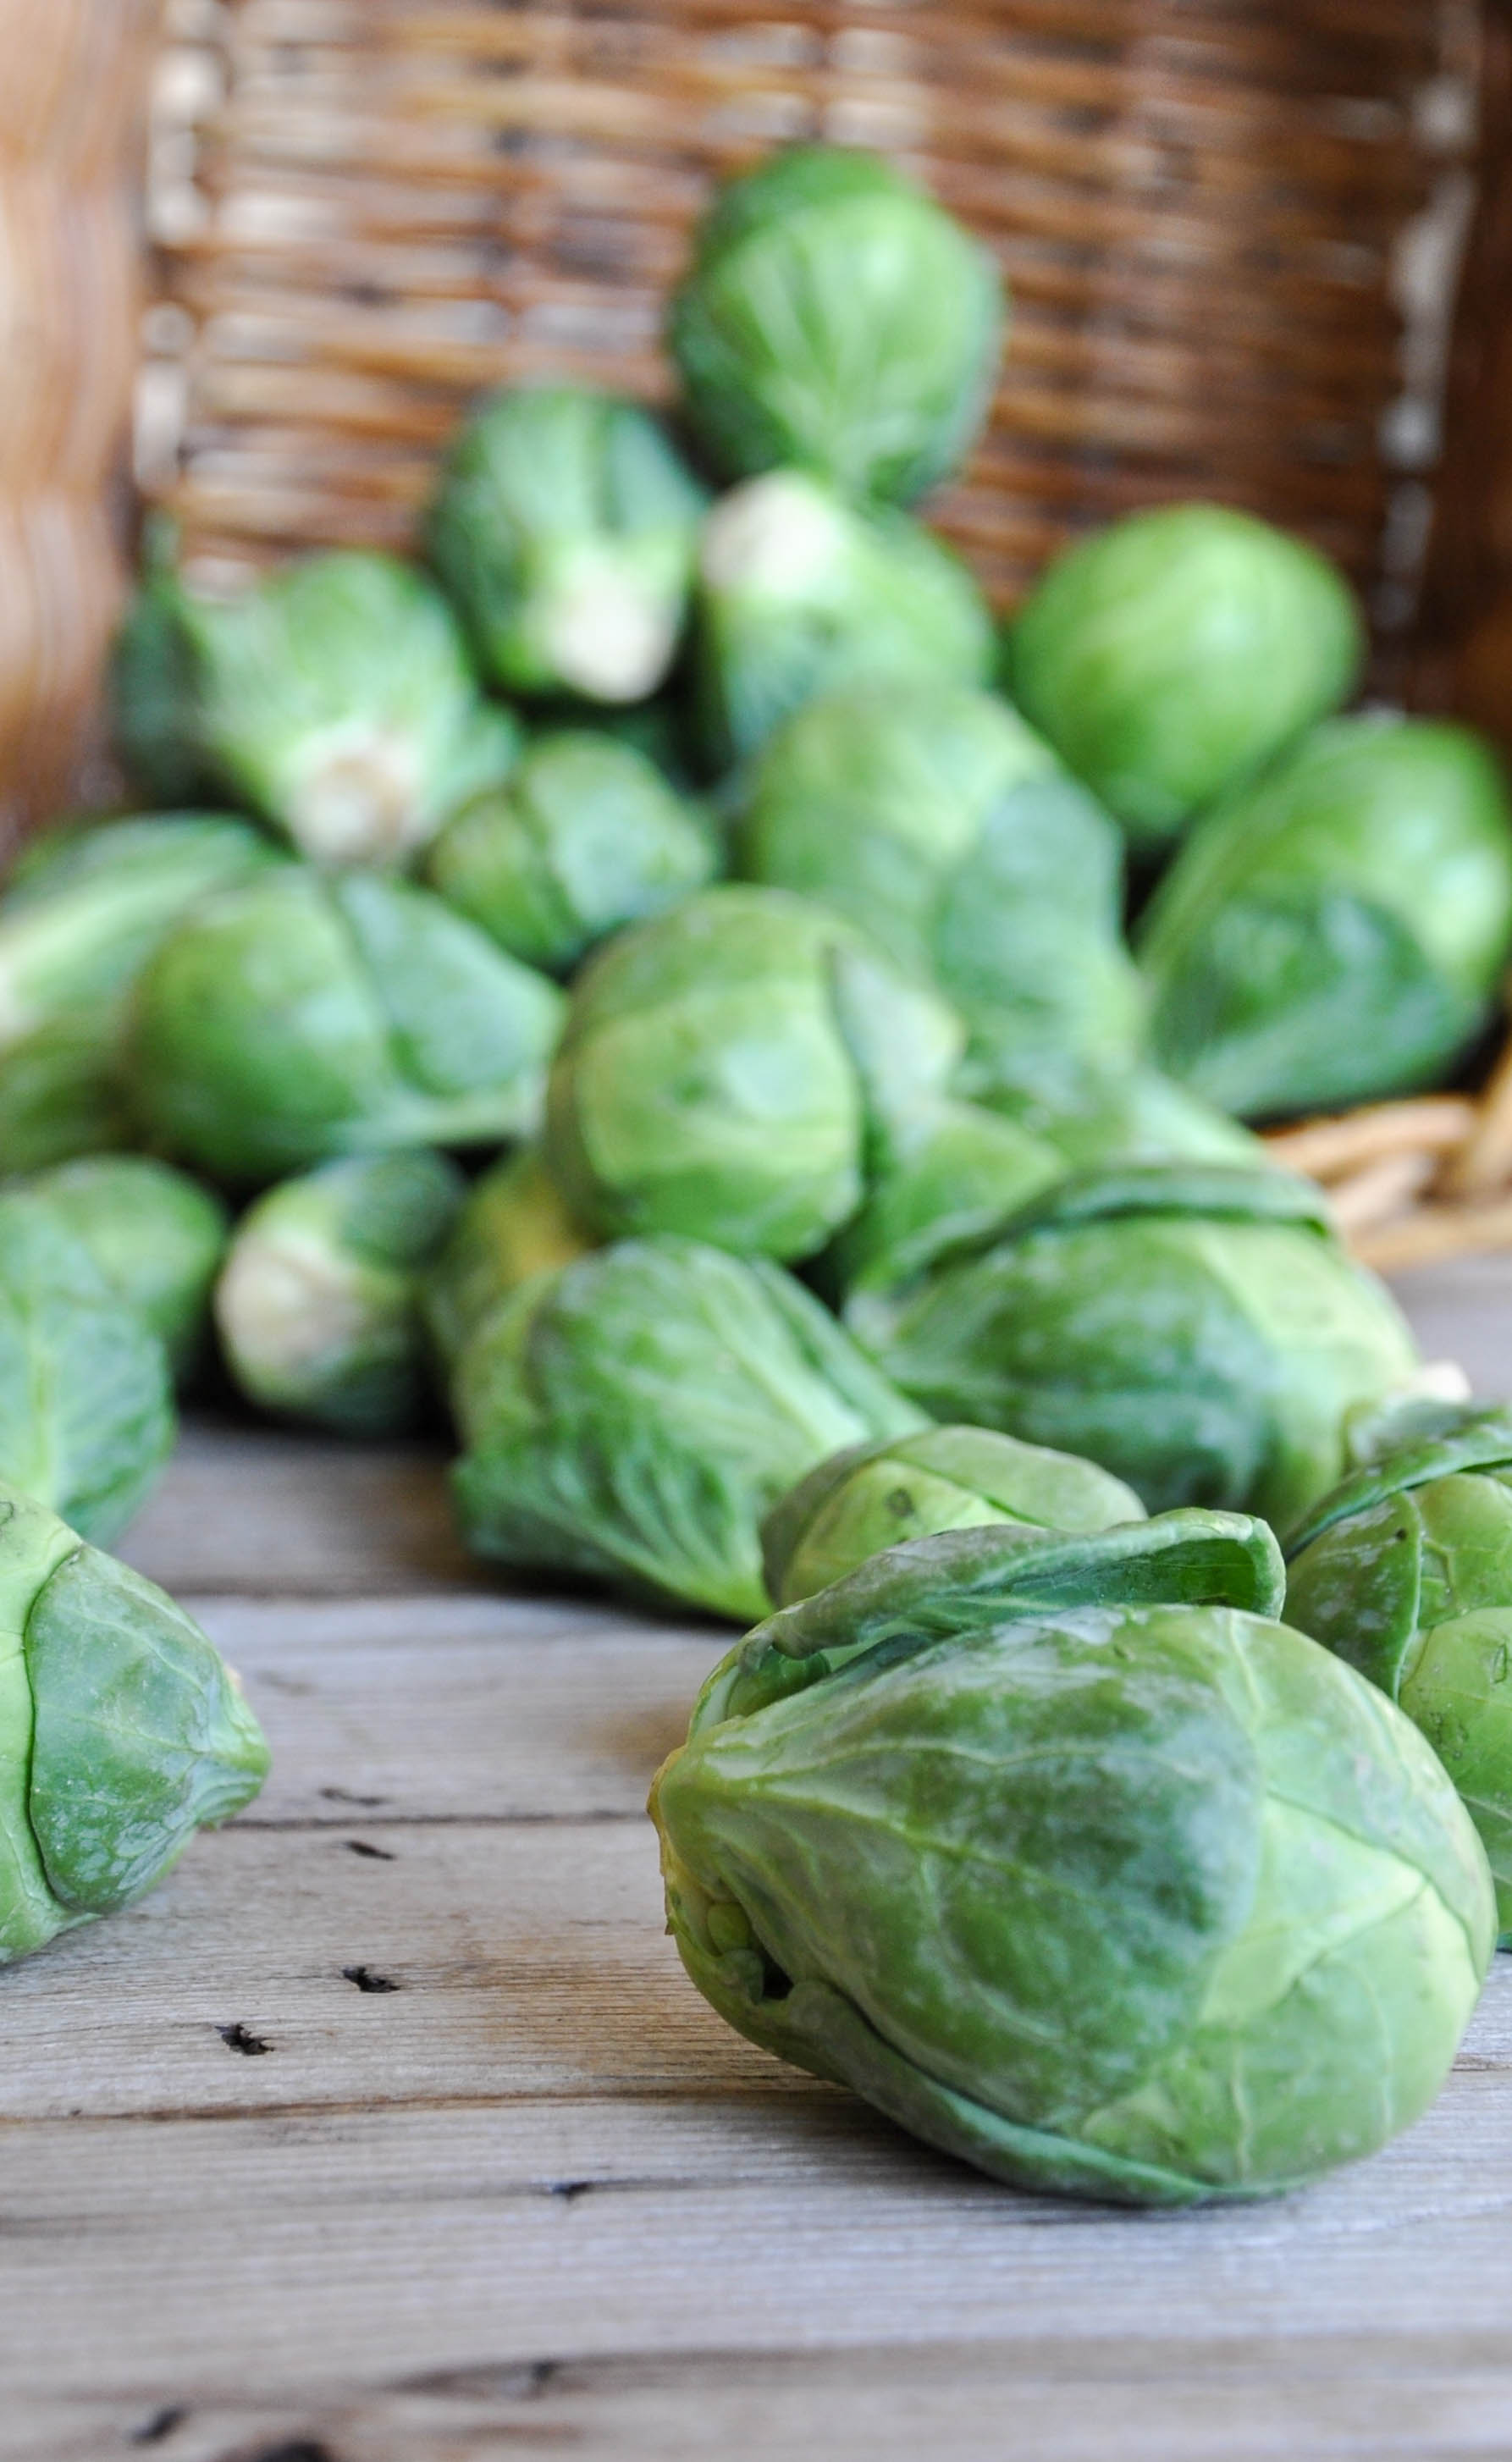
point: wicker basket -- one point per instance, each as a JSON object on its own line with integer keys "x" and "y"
{"x": 1227, "y": 230}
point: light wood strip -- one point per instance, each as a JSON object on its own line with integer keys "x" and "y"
{"x": 461, "y": 1709}
{"x": 311, "y": 2254}
{"x": 255, "y": 1509}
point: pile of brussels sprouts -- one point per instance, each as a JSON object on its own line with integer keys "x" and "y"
{"x": 653, "y": 980}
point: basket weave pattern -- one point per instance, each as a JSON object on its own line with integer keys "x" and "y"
{"x": 399, "y": 201}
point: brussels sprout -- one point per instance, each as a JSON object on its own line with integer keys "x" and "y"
{"x": 88, "y": 905}
{"x": 1098, "y": 1119}
{"x": 514, "y": 1224}
{"x": 1336, "y": 931}
{"x": 867, "y": 1498}
{"x": 801, "y": 593}
{"x": 1170, "y": 655}
{"x": 61, "y": 1091}
{"x": 121, "y": 1733}
{"x": 318, "y": 1305}
{"x": 305, "y": 1016}
{"x": 79, "y": 920}
{"x": 837, "y": 316}
{"x": 933, "y": 817}
{"x": 86, "y": 1400}
{"x": 942, "y": 1179}
{"x": 153, "y": 684}
{"x": 336, "y": 697}
{"x": 565, "y": 527}
{"x": 714, "y": 1075}
{"x": 1064, "y": 1855}
{"x": 632, "y": 1416}
{"x": 585, "y": 837}
{"x": 156, "y": 1234}
{"x": 1196, "y": 1331}
{"x": 1405, "y": 1570}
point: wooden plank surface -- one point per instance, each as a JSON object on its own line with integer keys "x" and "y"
{"x": 390, "y": 2131}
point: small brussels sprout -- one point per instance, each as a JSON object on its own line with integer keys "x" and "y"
{"x": 306, "y": 1015}
{"x": 585, "y": 837}
{"x": 565, "y": 527}
{"x": 1097, "y": 1119}
{"x": 1405, "y": 1571}
{"x": 86, "y": 1399}
{"x": 157, "y": 1237}
{"x": 318, "y": 1304}
{"x": 1336, "y": 931}
{"x": 934, "y": 819}
{"x": 632, "y": 1416}
{"x": 512, "y": 1225}
{"x": 1196, "y": 1331}
{"x": 714, "y": 1076}
{"x": 336, "y": 697}
{"x": 835, "y": 317}
{"x": 867, "y": 1498}
{"x": 79, "y": 917}
{"x": 801, "y": 593}
{"x": 1171, "y": 655}
{"x": 121, "y": 1732}
{"x": 1065, "y": 1856}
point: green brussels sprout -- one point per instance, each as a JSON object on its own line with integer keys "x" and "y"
{"x": 152, "y": 683}
{"x": 61, "y": 1091}
{"x": 631, "y": 1417}
{"x": 1196, "y": 1331}
{"x": 78, "y": 919}
{"x": 121, "y": 1732}
{"x": 318, "y": 1305}
{"x": 86, "y": 1399}
{"x": 1336, "y": 931}
{"x": 934, "y": 819}
{"x": 1172, "y": 654}
{"x": 585, "y": 837}
{"x": 835, "y": 317}
{"x": 867, "y": 1498}
{"x": 1405, "y": 1571}
{"x": 1098, "y": 1119}
{"x": 565, "y": 527}
{"x": 801, "y": 593}
{"x": 305, "y": 1015}
{"x": 512, "y": 1225}
{"x": 335, "y": 697}
{"x": 1065, "y": 1856}
{"x": 940, "y": 1178}
{"x": 715, "y": 1073}
{"x": 157, "y": 1237}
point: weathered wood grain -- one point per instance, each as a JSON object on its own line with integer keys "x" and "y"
{"x": 1336, "y": 2399}
{"x": 461, "y": 1708}
{"x": 216, "y": 2260}
{"x": 536, "y": 2199}
{"x": 259, "y": 1510}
